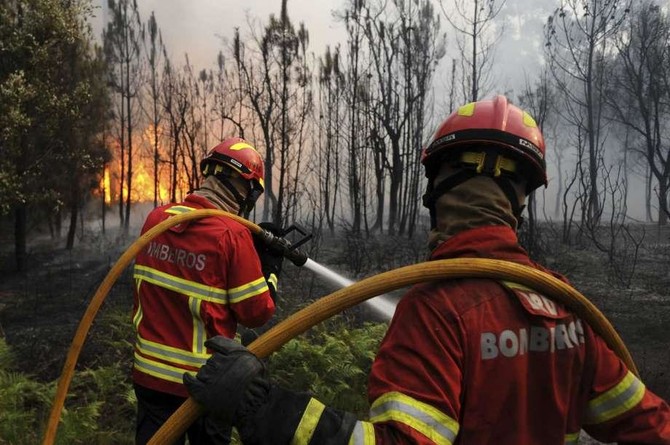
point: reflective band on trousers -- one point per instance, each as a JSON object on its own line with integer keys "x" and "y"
{"x": 363, "y": 434}
{"x": 419, "y": 416}
{"x": 623, "y": 397}
{"x": 571, "y": 439}
{"x": 308, "y": 422}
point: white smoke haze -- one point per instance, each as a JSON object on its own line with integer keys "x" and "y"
{"x": 203, "y": 28}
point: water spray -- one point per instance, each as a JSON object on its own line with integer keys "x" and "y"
{"x": 381, "y": 304}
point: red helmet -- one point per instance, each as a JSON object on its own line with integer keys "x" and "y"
{"x": 239, "y": 155}
{"x": 493, "y": 123}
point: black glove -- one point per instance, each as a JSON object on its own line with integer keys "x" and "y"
{"x": 248, "y": 336}
{"x": 230, "y": 378}
{"x": 271, "y": 259}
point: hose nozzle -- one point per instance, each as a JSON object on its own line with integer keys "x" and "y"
{"x": 281, "y": 245}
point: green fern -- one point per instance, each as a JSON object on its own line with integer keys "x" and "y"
{"x": 103, "y": 410}
{"x": 21, "y": 400}
{"x": 6, "y": 356}
{"x": 99, "y": 410}
{"x": 332, "y": 362}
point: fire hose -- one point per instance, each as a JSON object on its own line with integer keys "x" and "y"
{"x": 328, "y": 306}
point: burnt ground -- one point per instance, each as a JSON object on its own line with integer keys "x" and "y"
{"x": 40, "y": 309}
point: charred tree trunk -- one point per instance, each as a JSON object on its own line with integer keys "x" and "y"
{"x": 20, "y": 224}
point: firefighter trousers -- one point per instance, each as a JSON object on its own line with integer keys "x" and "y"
{"x": 153, "y": 410}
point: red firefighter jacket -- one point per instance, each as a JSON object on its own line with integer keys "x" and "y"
{"x": 476, "y": 361}
{"x": 192, "y": 282}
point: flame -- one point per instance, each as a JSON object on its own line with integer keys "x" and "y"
{"x": 143, "y": 185}
{"x": 106, "y": 185}
{"x": 143, "y": 172}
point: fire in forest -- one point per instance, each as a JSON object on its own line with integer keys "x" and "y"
{"x": 114, "y": 188}
{"x": 106, "y": 186}
{"x": 142, "y": 185}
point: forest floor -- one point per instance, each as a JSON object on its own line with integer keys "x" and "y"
{"x": 40, "y": 308}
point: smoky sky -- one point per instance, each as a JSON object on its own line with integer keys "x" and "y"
{"x": 202, "y": 28}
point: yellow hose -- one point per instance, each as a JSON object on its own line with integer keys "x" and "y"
{"x": 385, "y": 282}
{"x": 327, "y": 307}
{"x": 99, "y": 298}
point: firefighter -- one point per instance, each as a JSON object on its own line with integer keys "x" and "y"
{"x": 197, "y": 280}
{"x": 468, "y": 361}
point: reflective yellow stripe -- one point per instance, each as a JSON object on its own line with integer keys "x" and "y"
{"x": 363, "y": 434}
{"x": 176, "y": 210}
{"x": 171, "y": 354}
{"x": 419, "y": 416}
{"x": 467, "y": 110}
{"x": 199, "y": 335}
{"x": 248, "y": 290}
{"x": 272, "y": 279}
{"x": 624, "y": 396}
{"x": 159, "y": 370}
{"x": 241, "y": 146}
{"x": 512, "y": 285}
{"x": 138, "y": 315}
{"x": 308, "y": 422}
{"x": 572, "y": 439}
{"x": 186, "y": 287}
{"x": 528, "y": 120}
{"x": 201, "y": 291}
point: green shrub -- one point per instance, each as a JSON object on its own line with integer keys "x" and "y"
{"x": 102, "y": 407}
{"x": 21, "y": 399}
{"x": 99, "y": 410}
{"x": 332, "y": 362}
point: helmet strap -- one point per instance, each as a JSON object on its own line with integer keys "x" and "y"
{"x": 244, "y": 208}
{"x": 250, "y": 201}
{"x": 510, "y": 192}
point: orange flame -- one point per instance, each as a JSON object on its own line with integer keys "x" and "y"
{"x": 143, "y": 173}
{"x": 143, "y": 186}
{"x": 106, "y": 185}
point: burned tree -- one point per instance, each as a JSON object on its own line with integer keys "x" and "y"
{"x": 473, "y": 21}
{"x": 640, "y": 98}
{"x": 578, "y": 37}
{"x": 123, "y": 44}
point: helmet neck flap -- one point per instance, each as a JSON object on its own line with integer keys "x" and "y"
{"x": 469, "y": 164}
